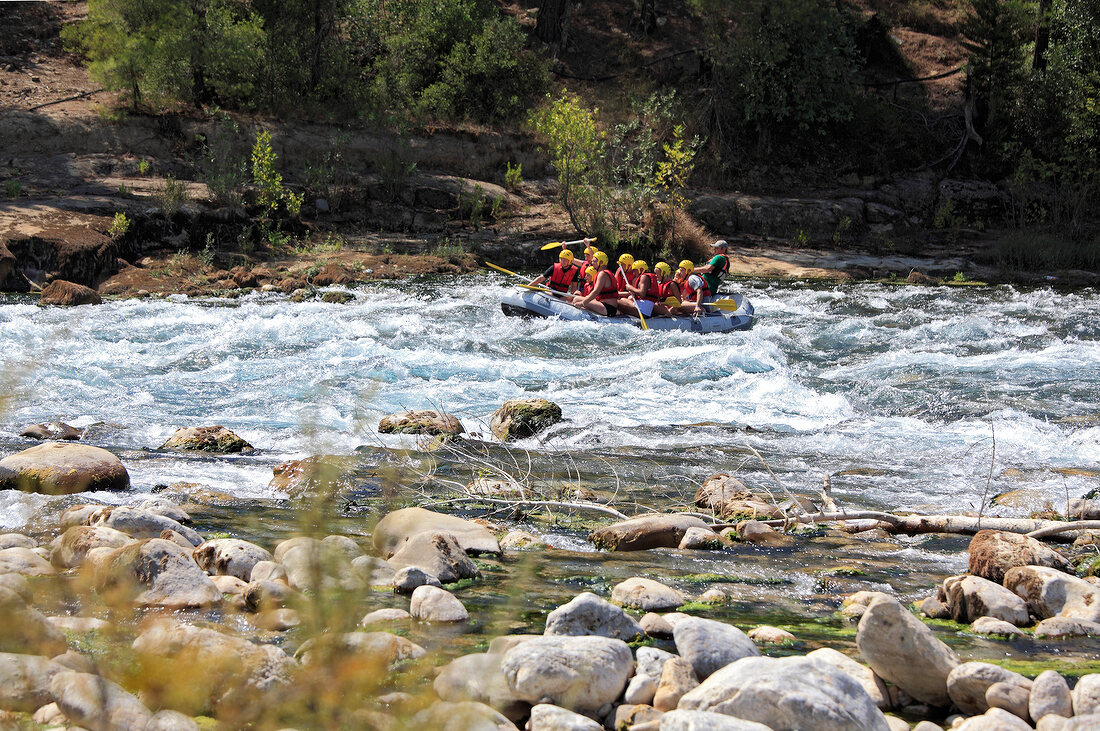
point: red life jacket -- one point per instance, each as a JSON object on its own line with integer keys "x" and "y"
{"x": 562, "y": 277}
{"x": 653, "y": 293}
{"x": 664, "y": 287}
{"x": 621, "y": 281}
{"x": 689, "y": 293}
{"x": 609, "y": 292}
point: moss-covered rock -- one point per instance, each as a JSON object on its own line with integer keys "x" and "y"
{"x": 421, "y": 422}
{"x": 206, "y": 439}
{"x": 62, "y": 469}
{"x": 520, "y": 418}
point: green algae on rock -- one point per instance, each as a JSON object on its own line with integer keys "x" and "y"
{"x": 520, "y": 418}
{"x": 216, "y": 439}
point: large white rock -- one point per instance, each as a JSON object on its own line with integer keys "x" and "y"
{"x": 234, "y": 670}
{"x": 903, "y": 651}
{"x": 25, "y": 681}
{"x": 995, "y": 719}
{"x": 1086, "y": 695}
{"x": 478, "y": 677}
{"x": 24, "y": 561}
{"x": 171, "y": 721}
{"x": 400, "y": 525}
{"x": 970, "y": 597}
{"x": 547, "y": 717}
{"x": 588, "y": 614}
{"x": 230, "y": 557}
{"x": 436, "y": 553}
{"x": 646, "y": 594}
{"x": 146, "y": 524}
{"x": 862, "y": 674}
{"x": 465, "y": 716}
{"x": 709, "y": 645}
{"x": 154, "y": 572}
{"x": 373, "y": 647}
{"x": 432, "y": 604}
{"x": 95, "y": 703}
{"x": 62, "y": 469}
{"x": 967, "y": 684}
{"x": 1050, "y": 694}
{"x": 1050, "y": 592}
{"x": 578, "y": 673}
{"x": 788, "y": 693}
{"x": 72, "y": 546}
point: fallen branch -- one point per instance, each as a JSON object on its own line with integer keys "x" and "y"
{"x": 1059, "y": 527}
{"x": 66, "y": 99}
{"x": 517, "y": 502}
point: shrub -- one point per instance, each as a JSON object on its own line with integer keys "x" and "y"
{"x": 170, "y": 196}
{"x": 269, "y": 181}
{"x": 13, "y": 188}
{"x": 513, "y": 176}
{"x": 119, "y": 226}
{"x": 1028, "y": 250}
{"x": 222, "y": 160}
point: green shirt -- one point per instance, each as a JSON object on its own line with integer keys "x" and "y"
{"x": 718, "y": 266}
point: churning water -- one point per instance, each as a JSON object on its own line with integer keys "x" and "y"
{"x": 911, "y": 397}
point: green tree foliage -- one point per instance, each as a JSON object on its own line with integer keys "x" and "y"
{"x": 450, "y": 59}
{"x": 787, "y": 75}
{"x": 995, "y": 32}
{"x": 160, "y": 51}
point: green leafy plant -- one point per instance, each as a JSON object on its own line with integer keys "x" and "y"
{"x": 206, "y": 256}
{"x": 124, "y": 190}
{"x": 170, "y": 196}
{"x": 222, "y": 159}
{"x": 12, "y": 188}
{"x": 120, "y": 224}
{"x": 396, "y": 169}
{"x": 143, "y": 167}
{"x": 801, "y": 239}
{"x": 513, "y": 175}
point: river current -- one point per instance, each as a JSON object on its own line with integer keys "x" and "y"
{"x": 910, "y": 398}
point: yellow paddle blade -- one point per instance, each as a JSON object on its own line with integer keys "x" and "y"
{"x": 491, "y": 265}
{"x": 537, "y": 289}
{"x": 730, "y": 305}
{"x": 641, "y": 319}
{"x": 551, "y": 245}
{"x": 554, "y": 244}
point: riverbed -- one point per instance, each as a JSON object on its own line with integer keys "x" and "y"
{"x": 910, "y": 398}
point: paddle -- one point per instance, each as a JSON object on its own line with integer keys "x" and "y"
{"x": 491, "y": 265}
{"x": 547, "y": 290}
{"x": 641, "y": 317}
{"x": 553, "y": 244}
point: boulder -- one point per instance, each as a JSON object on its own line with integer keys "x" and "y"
{"x": 651, "y": 661}
{"x": 578, "y": 673}
{"x": 901, "y": 650}
{"x": 267, "y": 570}
{"x": 1010, "y": 696}
{"x": 547, "y": 717}
{"x": 167, "y": 508}
{"x": 400, "y": 525}
{"x": 260, "y": 596}
{"x": 72, "y": 546}
{"x": 677, "y": 678}
{"x": 709, "y": 645}
{"x": 1088, "y": 722}
{"x": 854, "y": 605}
{"x": 16, "y": 540}
{"x": 385, "y": 616}
{"x": 433, "y": 604}
{"x": 313, "y": 565}
{"x": 80, "y": 625}
{"x": 588, "y": 614}
{"x": 768, "y": 635}
{"x": 171, "y": 721}
{"x": 519, "y": 540}
{"x": 933, "y": 608}
{"x": 655, "y": 625}
{"x": 154, "y": 572}
{"x": 465, "y": 716}
{"x": 97, "y": 704}
{"x": 967, "y": 684}
{"x": 993, "y": 553}
{"x": 522, "y": 418}
{"x": 648, "y": 531}
{"x": 970, "y": 597}
{"x": 25, "y": 630}
{"x": 144, "y": 524}
{"x": 646, "y": 594}
{"x": 682, "y": 720}
{"x": 421, "y": 422}
{"x": 488, "y": 487}
{"x": 1086, "y": 695}
{"x": 68, "y": 294}
{"x": 995, "y": 719}
{"x": 25, "y": 681}
{"x": 478, "y": 677}
{"x": 18, "y": 584}
{"x": 640, "y": 690}
{"x": 437, "y": 554}
{"x": 409, "y": 578}
{"x": 55, "y": 430}
{"x": 1083, "y": 509}
{"x": 215, "y": 439}
{"x": 57, "y": 468}
{"x": 233, "y": 670}
{"x": 1049, "y": 592}
{"x": 787, "y": 693}
{"x": 230, "y": 557}
{"x": 862, "y": 674}
{"x": 700, "y": 539}
{"x": 373, "y": 571}
{"x": 322, "y": 474}
{"x": 753, "y": 531}
{"x": 991, "y": 626}
{"x": 373, "y": 647}
{"x": 24, "y": 561}
{"x": 728, "y": 498}
{"x": 1066, "y": 627}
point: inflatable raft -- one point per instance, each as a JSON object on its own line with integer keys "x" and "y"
{"x": 526, "y": 303}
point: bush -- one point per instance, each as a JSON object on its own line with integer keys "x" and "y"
{"x": 222, "y": 160}
{"x": 170, "y": 196}
{"x": 119, "y": 226}
{"x": 1033, "y": 251}
{"x": 513, "y": 176}
{"x": 268, "y": 180}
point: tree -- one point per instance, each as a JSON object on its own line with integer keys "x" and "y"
{"x": 995, "y": 31}
{"x": 576, "y": 148}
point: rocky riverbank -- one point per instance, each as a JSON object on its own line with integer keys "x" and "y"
{"x": 134, "y": 612}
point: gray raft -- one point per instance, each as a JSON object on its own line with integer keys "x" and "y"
{"x": 527, "y": 303}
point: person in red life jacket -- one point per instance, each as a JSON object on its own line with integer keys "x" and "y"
{"x": 668, "y": 290}
{"x": 716, "y": 268}
{"x": 563, "y": 276}
{"x": 643, "y": 293}
{"x": 603, "y": 298}
{"x": 625, "y": 274}
{"x": 693, "y": 289}
{"x": 589, "y": 256}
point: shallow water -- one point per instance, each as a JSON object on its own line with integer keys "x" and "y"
{"x": 911, "y": 398}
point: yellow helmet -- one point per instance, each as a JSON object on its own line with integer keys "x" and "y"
{"x": 663, "y": 268}
{"x": 626, "y": 261}
{"x": 687, "y": 266}
{"x": 566, "y": 255}
{"x": 640, "y": 265}
{"x": 590, "y": 250}
{"x": 601, "y": 258}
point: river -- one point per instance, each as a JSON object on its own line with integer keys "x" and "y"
{"x": 922, "y": 398}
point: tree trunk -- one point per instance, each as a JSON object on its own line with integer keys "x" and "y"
{"x": 553, "y": 15}
{"x": 1042, "y": 37}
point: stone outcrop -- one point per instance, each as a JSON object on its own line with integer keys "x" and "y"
{"x": 154, "y": 572}
{"x": 1049, "y": 592}
{"x": 993, "y": 553}
{"x": 522, "y": 418}
{"x": 581, "y": 674}
{"x": 971, "y": 597}
{"x": 69, "y": 294}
